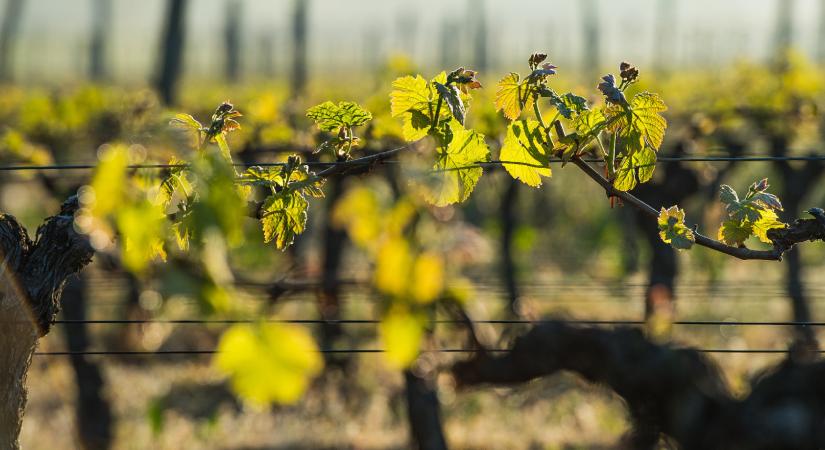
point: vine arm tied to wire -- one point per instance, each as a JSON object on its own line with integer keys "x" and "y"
{"x": 783, "y": 238}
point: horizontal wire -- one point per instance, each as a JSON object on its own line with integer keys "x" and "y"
{"x": 373, "y": 350}
{"x": 89, "y": 166}
{"x": 438, "y": 321}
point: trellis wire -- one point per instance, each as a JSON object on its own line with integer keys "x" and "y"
{"x": 437, "y": 321}
{"x": 370, "y": 350}
{"x": 661, "y": 159}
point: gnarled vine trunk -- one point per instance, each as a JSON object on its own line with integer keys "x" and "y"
{"x": 33, "y": 273}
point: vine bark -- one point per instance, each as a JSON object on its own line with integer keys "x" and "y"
{"x": 33, "y": 274}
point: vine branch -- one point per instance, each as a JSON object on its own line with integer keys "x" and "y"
{"x": 783, "y": 238}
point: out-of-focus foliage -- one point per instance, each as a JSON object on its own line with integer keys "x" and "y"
{"x": 268, "y": 362}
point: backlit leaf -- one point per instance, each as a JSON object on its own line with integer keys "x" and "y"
{"x": 284, "y": 216}
{"x": 401, "y": 332}
{"x": 330, "y": 117}
{"x": 427, "y": 279}
{"x": 511, "y": 96}
{"x": 734, "y": 232}
{"x": 456, "y": 170}
{"x": 392, "y": 267}
{"x": 768, "y": 221}
{"x": 526, "y": 143}
{"x": 672, "y": 228}
{"x": 268, "y": 362}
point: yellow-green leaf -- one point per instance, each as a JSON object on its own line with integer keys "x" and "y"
{"x": 392, "y": 267}
{"x": 510, "y": 96}
{"x": 269, "y": 362}
{"x": 330, "y": 117}
{"x": 427, "y": 279}
{"x": 109, "y": 180}
{"x": 646, "y": 107}
{"x": 142, "y": 228}
{"x": 456, "y": 171}
{"x": 284, "y": 216}
{"x": 526, "y": 144}
{"x": 401, "y": 332}
{"x": 735, "y": 233}
{"x": 409, "y": 94}
{"x": 768, "y": 221}
{"x": 672, "y": 228}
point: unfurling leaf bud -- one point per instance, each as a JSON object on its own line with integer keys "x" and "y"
{"x": 536, "y": 59}
{"x": 628, "y": 73}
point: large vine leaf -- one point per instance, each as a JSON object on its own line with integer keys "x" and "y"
{"x": 284, "y": 216}
{"x": 588, "y": 122}
{"x": 456, "y": 169}
{"x": 511, "y": 96}
{"x": 635, "y": 169}
{"x": 268, "y": 362}
{"x": 672, "y": 228}
{"x": 414, "y": 100}
{"x": 331, "y": 117}
{"x": 526, "y": 144}
{"x": 640, "y": 123}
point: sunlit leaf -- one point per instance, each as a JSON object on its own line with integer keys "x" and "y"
{"x": 224, "y": 146}
{"x": 635, "y": 169}
{"x": 142, "y": 228}
{"x": 284, "y": 216}
{"x": 588, "y": 122}
{"x": 409, "y": 94}
{"x": 427, "y": 279}
{"x": 768, "y": 221}
{"x": 456, "y": 169}
{"x": 526, "y": 143}
{"x": 734, "y": 232}
{"x": 672, "y": 228}
{"x": 392, "y": 267}
{"x": 511, "y": 96}
{"x": 330, "y": 117}
{"x": 109, "y": 180}
{"x": 185, "y": 121}
{"x": 268, "y": 362}
{"x": 401, "y": 333}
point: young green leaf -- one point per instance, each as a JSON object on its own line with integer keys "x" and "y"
{"x": 330, "y": 117}
{"x": 768, "y": 221}
{"x": 511, "y": 96}
{"x": 568, "y": 105}
{"x": 284, "y": 216}
{"x": 456, "y": 170}
{"x": 672, "y": 228}
{"x": 409, "y": 94}
{"x": 734, "y": 232}
{"x": 635, "y": 169}
{"x": 414, "y": 100}
{"x": 526, "y": 145}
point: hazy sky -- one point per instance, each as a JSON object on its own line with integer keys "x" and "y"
{"x": 346, "y": 34}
